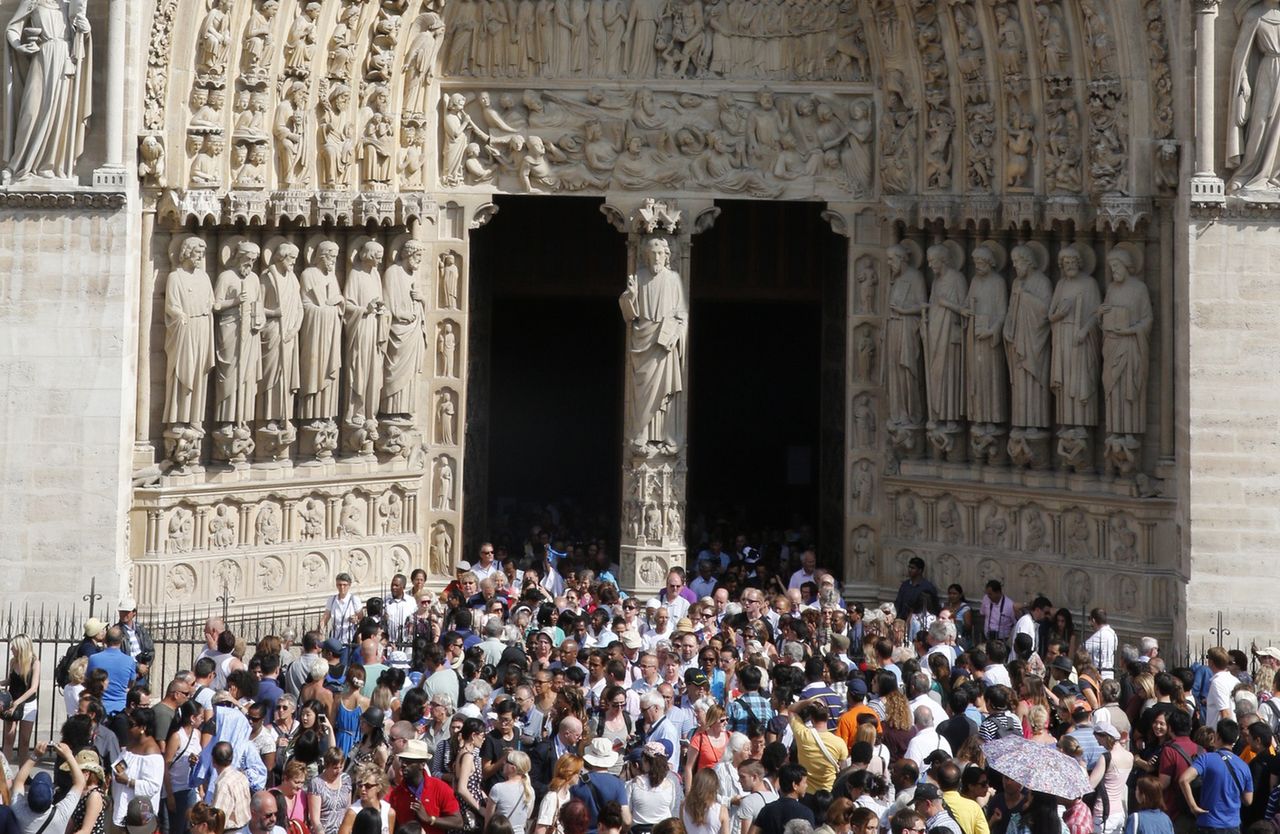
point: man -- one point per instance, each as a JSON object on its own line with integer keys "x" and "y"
{"x": 529, "y": 718}
{"x": 120, "y": 668}
{"x": 593, "y": 688}
{"x": 686, "y": 644}
{"x": 957, "y": 729}
{"x": 598, "y": 786}
{"x": 32, "y": 796}
{"x": 927, "y": 739}
{"x": 299, "y": 671}
{"x": 396, "y": 610}
{"x": 912, "y": 587}
{"x": 421, "y": 801}
{"x": 231, "y": 793}
{"x": 137, "y": 640}
{"x": 177, "y": 693}
{"x": 672, "y": 595}
{"x": 1000, "y": 721}
{"x": 492, "y": 645}
{"x": 488, "y": 565}
{"x": 213, "y": 629}
{"x": 462, "y": 621}
{"x": 269, "y": 690}
{"x": 1226, "y": 785}
{"x": 1175, "y": 757}
{"x": 1082, "y": 730}
{"x": 817, "y": 748}
{"x": 440, "y": 679}
{"x": 654, "y": 709}
{"x": 371, "y": 660}
{"x": 730, "y": 792}
{"x": 847, "y": 726}
{"x": 907, "y": 821}
{"x": 140, "y": 817}
{"x": 967, "y": 813}
{"x": 757, "y": 792}
{"x": 929, "y": 805}
{"x": 1218, "y": 703}
{"x": 997, "y": 612}
{"x": 262, "y": 814}
{"x": 1102, "y": 644}
{"x": 704, "y": 584}
{"x": 793, "y": 783}
{"x": 808, "y": 564}
{"x": 544, "y": 755}
{"x": 342, "y": 611}
{"x": 1029, "y": 623}
{"x": 814, "y": 670}
{"x": 1151, "y": 649}
{"x": 503, "y": 738}
{"x": 991, "y": 663}
{"x": 918, "y": 689}
{"x": 439, "y": 709}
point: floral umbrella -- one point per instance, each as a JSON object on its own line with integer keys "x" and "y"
{"x": 1037, "y": 767}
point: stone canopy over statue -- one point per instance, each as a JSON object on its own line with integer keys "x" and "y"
{"x": 656, "y": 312}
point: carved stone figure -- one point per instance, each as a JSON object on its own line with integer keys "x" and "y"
{"x": 181, "y": 531}
{"x": 441, "y": 550}
{"x": 446, "y": 418}
{"x": 256, "y": 54}
{"x": 449, "y": 281}
{"x": 312, "y": 514}
{"x": 268, "y": 525}
{"x": 391, "y": 515}
{"x": 654, "y": 308}
{"x": 351, "y": 517}
{"x": 985, "y": 309}
{"x": 320, "y": 336}
{"x": 420, "y": 63}
{"x": 365, "y": 334}
{"x": 188, "y": 345}
{"x": 293, "y": 139}
{"x": 1253, "y": 124}
{"x": 1073, "y": 317}
{"x": 446, "y": 350}
{"x": 1126, "y": 319}
{"x": 1124, "y": 541}
{"x": 443, "y": 491}
{"x": 908, "y": 519}
{"x": 182, "y": 583}
{"x": 222, "y": 528}
{"x": 1026, "y": 338}
{"x": 300, "y": 45}
{"x": 457, "y": 128}
{"x": 213, "y": 42}
{"x": 238, "y": 304}
{"x": 1079, "y": 539}
{"x": 271, "y": 573}
{"x": 1127, "y": 594}
{"x": 863, "y": 486}
{"x": 1036, "y": 538}
{"x": 405, "y": 339}
{"x": 995, "y": 529}
{"x": 49, "y": 87}
{"x": 903, "y": 334}
{"x": 864, "y": 422}
{"x": 377, "y": 140}
{"x": 943, "y": 325}
{"x": 949, "y": 523}
{"x": 151, "y": 161}
{"x": 282, "y": 304}
{"x": 864, "y": 558}
{"x": 315, "y": 571}
{"x": 868, "y": 282}
{"x": 337, "y": 146}
{"x": 641, "y": 37}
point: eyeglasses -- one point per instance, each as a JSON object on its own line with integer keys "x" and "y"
{"x": 620, "y": 704}
{"x": 364, "y": 786}
{"x": 256, "y": 719}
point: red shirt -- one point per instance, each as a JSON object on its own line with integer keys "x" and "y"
{"x": 1171, "y": 764}
{"x": 437, "y": 798}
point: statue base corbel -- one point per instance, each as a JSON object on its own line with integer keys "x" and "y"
{"x": 1120, "y": 454}
{"x": 397, "y": 438}
{"x": 988, "y": 444}
{"x": 274, "y": 441}
{"x": 319, "y": 442}
{"x": 946, "y": 441}
{"x": 110, "y": 178}
{"x": 1029, "y": 448}
{"x": 1075, "y": 449}
{"x": 907, "y": 440}
{"x": 358, "y": 439}
{"x": 182, "y": 443}
{"x": 233, "y": 445}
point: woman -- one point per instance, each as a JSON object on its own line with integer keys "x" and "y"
{"x": 293, "y": 799}
{"x": 707, "y": 746}
{"x": 181, "y": 749}
{"x": 1038, "y": 726}
{"x": 961, "y": 611}
{"x": 371, "y": 784}
{"x": 1063, "y": 630}
{"x": 701, "y": 813}
{"x": 329, "y": 793}
{"x": 351, "y": 705}
{"x": 1147, "y": 760}
{"x": 75, "y": 684}
{"x": 897, "y": 726}
{"x": 574, "y": 817}
{"x": 1110, "y": 777}
{"x": 568, "y": 769}
{"x": 1149, "y": 815}
{"x": 839, "y": 818}
{"x": 262, "y": 736}
{"x": 206, "y": 819}
{"x": 652, "y": 789}
{"x": 512, "y": 797}
{"x": 140, "y": 770}
{"x": 90, "y": 814}
{"x": 1078, "y": 817}
{"x": 869, "y": 791}
{"x": 1034, "y": 695}
{"x": 446, "y": 751}
{"x": 468, "y": 774}
{"x": 1088, "y": 678}
{"x": 24, "y": 686}
{"x": 880, "y": 756}
{"x": 373, "y": 747}
{"x": 615, "y": 722}
{"x": 368, "y": 821}
{"x": 1041, "y": 816}
{"x": 861, "y": 820}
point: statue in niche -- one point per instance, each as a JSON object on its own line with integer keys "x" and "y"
{"x": 847, "y": 148}
{"x": 995, "y": 529}
{"x": 1010, "y": 40}
{"x": 213, "y": 43}
{"x": 654, "y": 307}
{"x": 420, "y": 63}
{"x": 942, "y": 322}
{"x": 766, "y": 126}
{"x": 1079, "y": 541}
{"x": 937, "y": 148}
{"x": 188, "y": 341}
{"x": 449, "y": 281}
{"x": 256, "y": 53}
{"x": 441, "y": 550}
{"x": 206, "y": 165}
{"x": 312, "y": 514}
{"x": 865, "y": 347}
{"x": 300, "y": 45}
{"x": 864, "y": 551}
{"x": 378, "y": 141}
{"x": 446, "y": 350}
{"x": 342, "y": 49}
{"x": 181, "y": 531}
{"x": 864, "y": 422}
{"x": 351, "y": 517}
{"x": 238, "y": 304}
{"x": 314, "y": 570}
{"x": 457, "y": 127}
{"x": 1127, "y": 594}
{"x": 1073, "y": 316}
{"x": 203, "y": 115}
{"x": 949, "y": 522}
{"x": 443, "y": 485}
{"x": 863, "y": 486}
{"x": 271, "y": 573}
{"x": 182, "y": 583}
{"x": 337, "y": 147}
{"x": 268, "y": 525}
{"x": 365, "y": 334}
{"x": 249, "y": 161}
{"x": 320, "y": 336}
{"x": 903, "y": 334}
{"x": 1037, "y": 535}
{"x": 1055, "y": 46}
{"x": 412, "y": 155}
{"x": 446, "y": 417}
{"x": 908, "y": 518}
{"x": 391, "y": 515}
{"x": 867, "y": 279}
{"x": 406, "y": 337}
{"x": 1126, "y": 318}
{"x": 985, "y": 308}
{"x": 1026, "y": 337}
{"x": 282, "y": 304}
{"x": 1125, "y": 541}
{"x": 641, "y": 37}
{"x": 49, "y": 83}
{"x": 222, "y": 530}
{"x": 293, "y": 140}
{"x": 1019, "y": 149}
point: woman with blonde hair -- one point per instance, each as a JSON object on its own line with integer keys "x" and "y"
{"x": 839, "y": 819}
{"x": 879, "y": 764}
{"x": 370, "y": 785}
{"x": 512, "y": 797}
{"x": 75, "y": 684}
{"x": 702, "y": 814}
{"x": 1038, "y": 725}
{"x": 90, "y": 814}
{"x": 708, "y": 744}
{"x": 568, "y": 771}
{"x": 206, "y": 819}
{"x": 24, "y": 687}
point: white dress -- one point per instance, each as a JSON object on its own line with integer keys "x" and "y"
{"x": 711, "y": 826}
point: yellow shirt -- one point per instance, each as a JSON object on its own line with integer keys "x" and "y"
{"x": 967, "y": 812}
{"x": 821, "y": 767}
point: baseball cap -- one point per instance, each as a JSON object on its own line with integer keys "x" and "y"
{"x": 463, "y": 567}
{"x": 140, "y": 818}
{"x": 127, "y": 604}
{"x": 695, "y": 677}
{"x": 858, "y": 686}
{"x": 1061, "y": 664}
{"x": 750, "y": 555}
{"x": 1270, "y": 651}
{"x": 40, "y": 793}
{"x": 926, "y": 791}
{"x": 94, "y": 627}
{"x": 1106, "y": 728}
{"x": 332, "y": 646}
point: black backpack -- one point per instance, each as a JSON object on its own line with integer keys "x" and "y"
{"x": 62, "y": 672}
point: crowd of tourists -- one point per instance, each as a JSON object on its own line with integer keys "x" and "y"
{"x": 532, "y": 696}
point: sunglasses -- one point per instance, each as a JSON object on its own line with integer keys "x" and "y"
{"x": 368, "y": 785}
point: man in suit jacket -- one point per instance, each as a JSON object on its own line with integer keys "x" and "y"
{"x": 533, "y": 722}
{"x": 544, "y": 755}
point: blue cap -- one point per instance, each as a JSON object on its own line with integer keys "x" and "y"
{"x": 40, "y": 793}
{"x": 857, "y": 686}
{"x": 332, "y": 646}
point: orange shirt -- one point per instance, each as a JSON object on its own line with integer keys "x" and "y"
{"x": 847, "y": 728}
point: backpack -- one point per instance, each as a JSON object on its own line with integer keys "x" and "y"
{"x": 62, "y": 672}
{"x": 1196, "y": 783}
{"x": 291, "y": 826}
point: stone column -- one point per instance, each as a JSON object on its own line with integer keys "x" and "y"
{"x": 655, "y": 309}
{"x": 1206, "y": 185}
{"x": 111, "y": 175}
{"x": 143, "y": 450}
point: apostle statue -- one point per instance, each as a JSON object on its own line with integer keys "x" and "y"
{"x": 420, "y": 62}
{"x": 1253, "y": 123}
{"x": 943, "y": 326}
{"x": 282, "y": 302}
{"x": 1126, "y": 319}
{"x": 907, "y": 299}
{"x": 365, "y": 334}
{"x": 1073, "y": 317}
{"x": 405, "y": 337}
{"x": 320, "y": 339}
{"x": 49, "y": 79}
{"x": 1026, "y": 337}
{"x": 985, "y": 308}
{"x": 188, "y": 336}
{"x": 239, "y": 308}
{"x": 654, "y": 307}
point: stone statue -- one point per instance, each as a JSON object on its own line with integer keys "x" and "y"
{"x": 312, "y": 514}
{"x": 868, "y": 281}
{"x": 444, "y": 485}
{"x": 406, "y": 335}
{"x": 863, "y": 486}
{"x": 238, "y": 304}
{"x": 256, "y": 53}
{"x": 188, "y": 342}
{"x": 378, "y": 139}
{"x": 365, "y": 317}
{"x": 351, "y": 517}
{"x": 1126, "y": 318}
{"x": 985, "y": 309}
{"x": 420, "y": 63}
{"x": 1073, "y": 315}
{"x": 293, "y": 140}
{"x": 282, "y": 303}
{"x": 267, "y": 525}
{"x": 1026, "y": 337}
{"x": 446, "y": 350}
{"x": 441, "y": 550}
{"x": 337, "y": 145}
{"x": 49, "y": 84}
{"x": 457, "y": 128}
{"x": 1253, "y": 123}
{"x": 300, "y": 45}
{"x": 654, "y": 307}
{"x": 903, "y": 334}
{"x": 213, "y": 42}
{"x": 943, "y": 325}
{"x": 446, "y": 417}
{"x": 320, "y": 337}
{"x": 449, "y": 281}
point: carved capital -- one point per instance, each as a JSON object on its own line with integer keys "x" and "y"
{"x": 1204, "y": 6}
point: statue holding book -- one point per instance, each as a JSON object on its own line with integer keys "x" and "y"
{"x": 657, "y": 315}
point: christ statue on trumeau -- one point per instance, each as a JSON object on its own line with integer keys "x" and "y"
{"x": 654, "y": 307}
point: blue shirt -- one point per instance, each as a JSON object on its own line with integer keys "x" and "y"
{"x": 121, "y": 670}
{"x": 1148, "y": 822}
{"x": 740, "y": 718}
{"x": 835, "y": 704}
{"x": 269, "y": 692}
{"x": 1088, "y": 745}
{"x": 603, "y": 787}
{"x": 1224, "y": 778}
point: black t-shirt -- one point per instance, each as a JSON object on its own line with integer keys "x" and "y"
{"x": 494, "y": 748}
{"x": 774, "y": 816}
{"x": 956, "y": 731}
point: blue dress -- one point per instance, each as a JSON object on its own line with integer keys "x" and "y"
{"x": 347, "y": 731}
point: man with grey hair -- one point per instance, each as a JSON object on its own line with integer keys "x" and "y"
{"x": 941, "y": 636}
{"x": 927, "y": 739}
{"x": 262, "y": 814}
{"x": 440, "y": 707}
{"x": 730, "y": 792}
{"x": 661, "y": 726}
{"x": 919, "y": 694}
{"x": 1150, "y": 648}
{"x": 492, "y": 644}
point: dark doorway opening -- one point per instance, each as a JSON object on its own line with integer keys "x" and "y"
{"x": 547, "y": 371}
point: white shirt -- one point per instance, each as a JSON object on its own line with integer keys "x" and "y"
{"x": 925, "y": 742}
{"x": 1027, "y": 625}
{"x": 482, "y": 573}
{"x": 396, "y": 611}
{"x": 651, "y": 637}
{"x": 1219, "y": 697}
{"x": 799, "y": 578}
{"x": 147, "y": 773}
{"x": 677, "y": 608}
{"x": 1102, "y": 645}
{"x": 939, "y": 713}
{"x": 340, "y": 612}
{"x": 997, "y": 674}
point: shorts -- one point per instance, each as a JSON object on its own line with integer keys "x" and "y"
{"x": 28, "y": 712}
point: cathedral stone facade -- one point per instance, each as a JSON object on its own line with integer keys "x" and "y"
{"x": 236, "y": 247}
